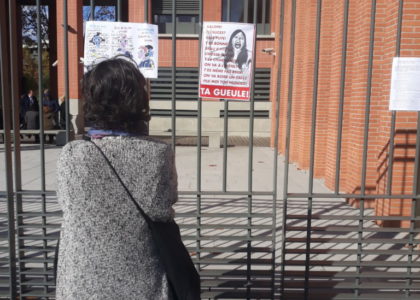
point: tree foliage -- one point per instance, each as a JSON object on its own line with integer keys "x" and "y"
{"x": 30, "y": 25}
{"x": 30, "y": 69}
{"x": 30, "y": 47}
{"x": 102, "y": 13}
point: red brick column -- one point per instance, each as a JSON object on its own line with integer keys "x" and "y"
{"x": 75, "y": 51}
{"x": 355, "y": 101}
{"x": 303, "y": 103}
{"x": 326, "y": 47}
{"x": 284, "y": 75}
{"x": 136, "y": 11}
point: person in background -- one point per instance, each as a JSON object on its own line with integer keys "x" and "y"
{"x": 62, "y": 122}
{"x": 48, "y": 122}
{"x": 53, "y": 107}
{"x": 32, "y": 121}
{"x": 1, "y": 117}
{"x": 28, "y": 102}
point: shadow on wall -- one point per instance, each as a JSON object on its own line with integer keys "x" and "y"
{"x": 402, "y": 181}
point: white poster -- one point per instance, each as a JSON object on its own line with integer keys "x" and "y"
{"x": 405, "y": 84}
{"x": 226, "y": 60}
{"x": 138, "y": 41}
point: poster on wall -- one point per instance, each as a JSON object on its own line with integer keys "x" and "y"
{"x": 138, "y": 41}
{"x": 226, "y": 66}
{"x": 405, "y": 84}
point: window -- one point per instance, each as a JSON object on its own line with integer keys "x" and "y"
{"x": 102, "y": 13}
{"x": 187, "y": 15}
{"x": 243, "y": 11}
{"x": 104, "y": 10}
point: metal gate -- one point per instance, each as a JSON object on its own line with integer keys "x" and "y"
{"x": 319, "y": 247}
{"x": 229, "y": 233}
{"x": 331, "y": 250}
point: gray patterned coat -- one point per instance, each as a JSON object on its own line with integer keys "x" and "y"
{"x": 106, "y": 249}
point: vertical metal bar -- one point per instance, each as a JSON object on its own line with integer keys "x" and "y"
{"x": 276, "y": 141}
{"x": 174, "y": 74}
{"x": 146, "y": 11}
{"x": 263, "y": 17}
{"x": 246, "y": 9}
{"x": 287, "y": 142}
{"x": 66, "y": 70}
{"x": 40, "y": 88}
{"x": 146, "y": 20}
{"x": 225, "y": 142}
{"x": 119, "y": 10}
{"x": 250, "y": 158}
{"x": 341, "y": 97}
{"x": 15, "y": 93}
{"x": 312, "y": 150}
{"x": 394, "y": 113}
{"x": 252, "y": 102}
{"x": 414, "y": 206}
{"x": 41, "y": 137}
{"x": 16, "y": 126}
{"x": 92, "y": 10}
{"x": 226, "y": 124}
{"x": 365, "y": 146}
{"x": 6, "y": 105}
{"x": 228, "y": 11}
{"x": 199, "y": 119}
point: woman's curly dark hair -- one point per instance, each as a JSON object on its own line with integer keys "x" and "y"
{"x": 115, "y": 97}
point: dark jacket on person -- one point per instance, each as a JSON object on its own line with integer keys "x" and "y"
{"x": 52, "y": 104}
{"x": 27, "y": 104}
{"x": 63, "y": 115}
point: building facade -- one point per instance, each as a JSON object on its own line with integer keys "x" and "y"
{"x": 360, "y": 147}
{"x": 187, "y": 63}
{"x": 357, "y": 42}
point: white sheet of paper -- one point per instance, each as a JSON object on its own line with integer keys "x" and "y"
{"x": 139, "y": 41}
{"x": 405, "y": 84}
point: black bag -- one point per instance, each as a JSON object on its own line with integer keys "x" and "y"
{"x": 180, "y": 271}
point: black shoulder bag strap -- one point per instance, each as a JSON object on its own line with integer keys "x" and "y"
{"x": 146, "y": 217}
{"x": 184, "y": 281}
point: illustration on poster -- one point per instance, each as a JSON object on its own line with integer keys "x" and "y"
{"x": 145, "y": 55}
{"x": 236, "y": 52}
{"x": 123, "y": 46}
{"x": 97, "y": 39}
{"x": 136, "y": 41}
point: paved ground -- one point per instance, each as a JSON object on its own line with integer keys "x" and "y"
{"x": 224, "y": 221}
{"x": 186, "y": 159}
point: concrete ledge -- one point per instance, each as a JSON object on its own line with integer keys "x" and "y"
{"x": 214, "y": 136}
{"x": 60, "y": 135}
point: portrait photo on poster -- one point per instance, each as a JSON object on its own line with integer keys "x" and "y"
{"x": 226, "y": 60}
{"x": 237, "y": 54}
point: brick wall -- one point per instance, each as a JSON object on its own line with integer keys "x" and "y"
{"x": 355, "y": 96}
{"x": 75, "y": 47}
{"x": 187, "y": 48}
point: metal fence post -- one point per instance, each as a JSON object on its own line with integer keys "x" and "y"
{"x": 7, "y": 112}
